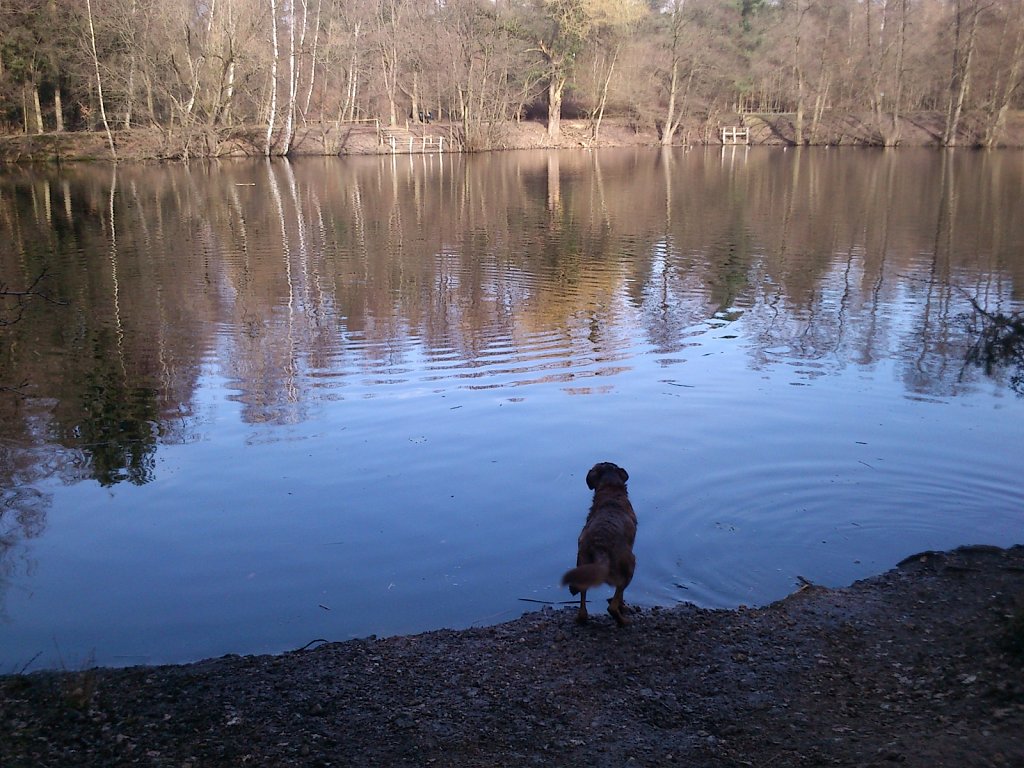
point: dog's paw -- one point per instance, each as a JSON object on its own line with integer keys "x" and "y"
{"x": 581, "y": 617}
{"x": 621, "y": 620}
{"x": 623, "y": 607}
{"x": 617, "y": 611}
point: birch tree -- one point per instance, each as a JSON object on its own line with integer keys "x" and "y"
{"x": 99, "y": 79}
{"x": 966, "y": 14}
{"x": 275, "y": 57}
{"x": 312, "y": 59}
{"x": 294, "y": 46}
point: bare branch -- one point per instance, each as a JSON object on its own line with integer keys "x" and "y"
{"x": 12, "y": 311}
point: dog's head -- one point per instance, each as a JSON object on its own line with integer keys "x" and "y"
{"x": 606, "y": 473}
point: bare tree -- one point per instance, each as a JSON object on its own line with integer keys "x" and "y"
{"x": 272, "y": 110}
{"x": 886, "y": 37}
{"x": 312, "y": 60}
{"x": 566, "y": 25}
{"x": 825, "y": 44}
{"x": 1009, "y": 75}
{"x": 389, "y": 20}
{"x": 202, "y": 70}
{"x": 678, "y": 92}
{"x": 294, "y": 47}
{"x": 99, "y": 80}
{"x": 965, "y": 29}
{"x": 613, "y": 27}
{"x": 486, "y": 67}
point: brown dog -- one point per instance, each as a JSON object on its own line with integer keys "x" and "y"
{"x": 606, "y": 542}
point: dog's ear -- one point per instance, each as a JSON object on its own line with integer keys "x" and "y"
{"x": 623, "y": 474}
{"x": 592, "y": 477}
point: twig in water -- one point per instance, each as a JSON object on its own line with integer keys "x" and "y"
{"x": 29, "y": 663}
{"x": 306, "y": 646}
{"x": 548, "y": 602}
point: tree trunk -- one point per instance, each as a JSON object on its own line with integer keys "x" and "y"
{"x": 226, "y": 90}
{"x": 798, "y": 120}
{"x": 293, "y": 75}
{"x": 221, "y": 112}
{"x": 295, "y": 69}
{"x": 556, "y": 86}
{"x": 312, "y": 63}
{"x": 668, "y": 130}
{"x": 229, "y": 92}
{"x": 820, "y": 100}
{"x": 128, "y": 103}
{"x": 798, "y": 72}
{"x": 960, "y": 76}
{"x": 678, "y": 23}
{"x": 38, "y": 109}
{"x": 893, "y": 136}
{"x": 348, "y": 107}
{"x": 604, "y": 95}
{"x": 150, "y": 100}
{"x": 824, "y": 80}
{"x": 58, "y": 110}
{"x": 272, "y": 112}
{"x": 390, "y": 74}
{"x": 229, "y": 89}
{"x": 99, "y": 82}
{"x": 414, "y": 98}
{"x": 129, "y": 100}
{"x": 387, "y": 31}
{"x": 1004, "y": 91}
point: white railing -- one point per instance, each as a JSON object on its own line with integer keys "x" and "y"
{"x": 425, "y": 143}
{"x": 734, "y": 135}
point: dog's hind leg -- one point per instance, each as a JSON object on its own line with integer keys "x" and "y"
{"x": 581, "y": 614}
{"x": 616, "y": 607}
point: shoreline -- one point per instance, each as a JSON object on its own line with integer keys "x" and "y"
{"x": 922, "y": 665}
{"x": 340, "y": 139}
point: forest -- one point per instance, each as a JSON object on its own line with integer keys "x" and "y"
{"x": 203, "y": 72}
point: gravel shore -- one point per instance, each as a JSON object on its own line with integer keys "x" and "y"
{"x": 920, "y": 666}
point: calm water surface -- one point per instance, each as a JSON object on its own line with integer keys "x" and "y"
{"x": 281, "y": 402}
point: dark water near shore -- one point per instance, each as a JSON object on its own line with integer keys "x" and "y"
{"x": 280, "y": 402}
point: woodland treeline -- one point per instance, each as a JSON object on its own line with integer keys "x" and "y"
{"x": 215, "y": 68}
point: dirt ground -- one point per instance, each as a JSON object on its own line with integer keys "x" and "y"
{"x": 920, "y": 666}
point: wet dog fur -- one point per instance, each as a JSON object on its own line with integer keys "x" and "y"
{"x": 606, "y": 543}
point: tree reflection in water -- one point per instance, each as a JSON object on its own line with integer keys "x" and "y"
{"x": 296, "y": 285}
{"x": 999, "y": 344}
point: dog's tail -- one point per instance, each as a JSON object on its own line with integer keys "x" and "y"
{"x": 586, "y": 576}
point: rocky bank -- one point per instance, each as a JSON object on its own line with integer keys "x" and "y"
{"x": 920, "y": 666}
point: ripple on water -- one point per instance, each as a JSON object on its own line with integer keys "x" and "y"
{"x": 746, "y": 534}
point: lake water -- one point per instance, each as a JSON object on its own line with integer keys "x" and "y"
{"x": 279, "y": 402}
